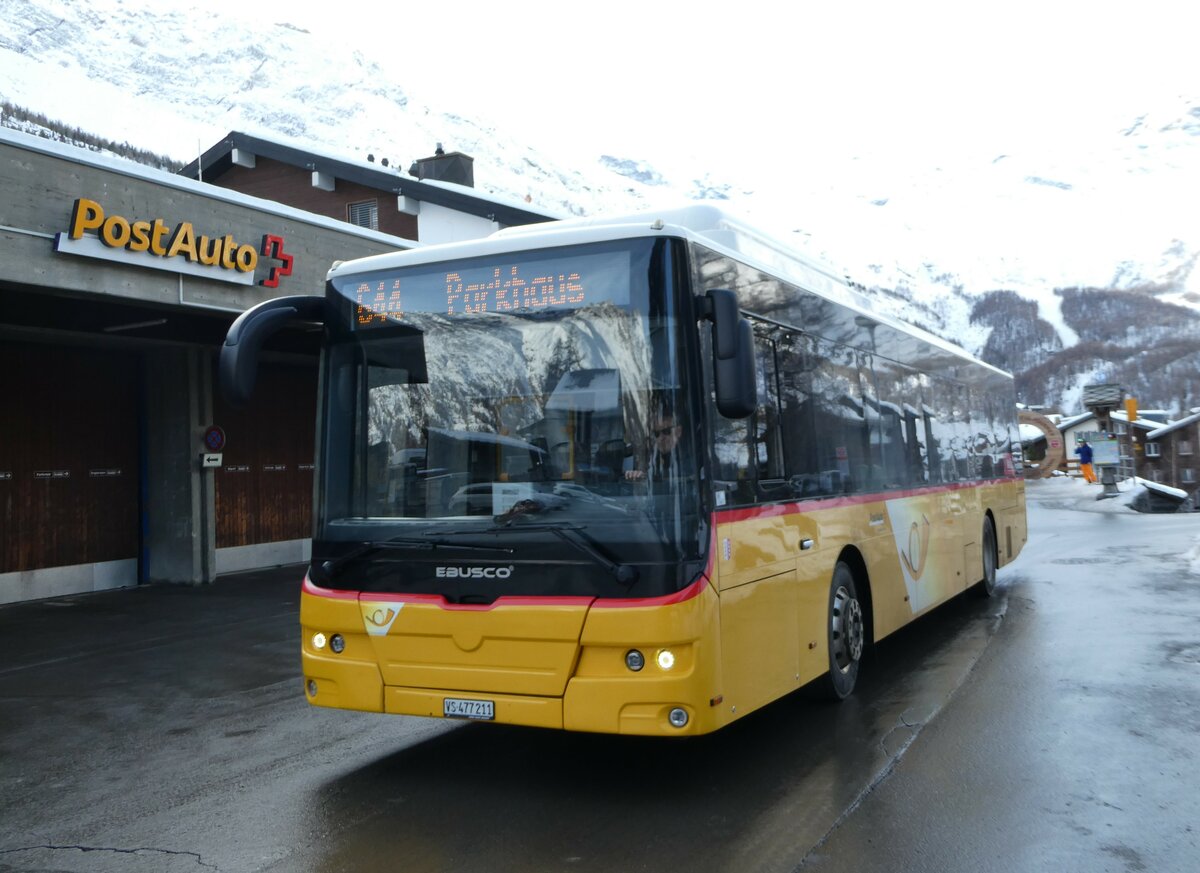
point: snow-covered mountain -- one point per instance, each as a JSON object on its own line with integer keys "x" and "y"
{"x": 1061, "y": 265}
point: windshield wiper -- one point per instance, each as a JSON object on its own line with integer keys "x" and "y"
{"x": 626, "y": 574}
{"x": 369, "y": 547}
{"x": 573, "y": 535}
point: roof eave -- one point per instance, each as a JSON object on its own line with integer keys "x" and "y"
{"x": 218, "y": 159}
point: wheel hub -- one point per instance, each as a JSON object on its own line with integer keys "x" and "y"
{"x": 847, "y": 629}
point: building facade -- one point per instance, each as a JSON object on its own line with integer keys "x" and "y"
{"x": 433, "y": 203}
{"x": 1170, "y": 455}
{"x": 119, "y": 462}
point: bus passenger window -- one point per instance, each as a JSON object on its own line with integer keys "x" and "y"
{"x": 840, "y": 419}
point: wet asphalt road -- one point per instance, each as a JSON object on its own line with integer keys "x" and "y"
{"x": 164, "y": 729}
{"x": 1074, "y": 745}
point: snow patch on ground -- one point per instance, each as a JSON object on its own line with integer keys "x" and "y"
{"x": 1192, "y": 556}
{"x": 1073, "y": 493}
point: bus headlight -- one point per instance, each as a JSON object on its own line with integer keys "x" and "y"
{"x": 635, "y": 660}
{"x": 337, "y": 644}
{"x": 666, "y": 659}
{"x": 678, "y": 717}
{"x": 318, "y": 641}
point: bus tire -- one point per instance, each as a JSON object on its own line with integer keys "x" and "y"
{"x": 846, "y": 633}
{"x": 986, "y": 586}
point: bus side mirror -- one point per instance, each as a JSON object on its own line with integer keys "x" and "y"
{"x": 237, "y": 369}
{"x": 733, "y": 354}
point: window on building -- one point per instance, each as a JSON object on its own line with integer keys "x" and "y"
{"x": 1120, "y": 427}
{"x": 1188, "y": 475}
{"x": 1156, "y": 476}
{"x": 1185, "y": 447}
{"x": 1153, "y": 450}
{"x": 364, "y": 214}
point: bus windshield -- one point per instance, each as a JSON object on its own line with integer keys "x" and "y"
{"x": 495, "y": 415}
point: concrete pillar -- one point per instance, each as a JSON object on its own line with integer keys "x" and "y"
{"x": 179, "y": 530}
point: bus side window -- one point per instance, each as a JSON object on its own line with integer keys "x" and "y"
{"x": 768, "y": 439}
{"x": 962, "y": 431}
{"x": 899, "y": 447}
{"x": 731, "y": 451}
{"x": 794, "y": 352}
{"x": 840, "y": 424}
{"x": 750, "y": 452}
{"x": 942, "y": 430}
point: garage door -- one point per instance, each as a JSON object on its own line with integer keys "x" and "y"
{"x": 68, "y": 455}
{"x": 264, "y": 488}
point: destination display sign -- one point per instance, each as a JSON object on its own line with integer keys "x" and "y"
{"x": 512, "y": 286}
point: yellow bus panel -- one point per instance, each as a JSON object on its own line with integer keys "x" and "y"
{"x": 752, "y": 630}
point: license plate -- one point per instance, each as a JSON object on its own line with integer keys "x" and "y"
{"x": 456, "y": 707}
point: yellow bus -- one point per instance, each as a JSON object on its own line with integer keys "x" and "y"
{"x": 637, "y": 476}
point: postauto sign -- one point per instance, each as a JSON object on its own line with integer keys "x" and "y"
{"x": 155, "y": 243}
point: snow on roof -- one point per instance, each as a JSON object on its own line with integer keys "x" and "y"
{"x": 1078, "y": 418}
{"x": 171, "y": 180}
{"x": 1162, "y": 489}
{"x": 1140, "y": 421}
{"x": 1173, "y": 426}
{"x": 1030, "y": 434}
{"x": 511, "y": 202}
{"x": 301, "y": 153}
{"x": 1147, "y": 423}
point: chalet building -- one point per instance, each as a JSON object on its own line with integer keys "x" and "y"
{"x": 119, "y": 461}
{"x": 1152, "y": 447}
{"x": 1132, "y": 436}
{"x": 1170, "y": 457}
{"x": 434, "y": 202}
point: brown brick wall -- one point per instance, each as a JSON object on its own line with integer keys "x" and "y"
{"x": 283, "y": 183}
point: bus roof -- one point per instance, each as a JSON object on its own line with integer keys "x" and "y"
{"x": 701, "y": 223}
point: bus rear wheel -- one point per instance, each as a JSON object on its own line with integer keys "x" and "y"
{"x": 846, "y": 633}
{"x": 986, "y": 586}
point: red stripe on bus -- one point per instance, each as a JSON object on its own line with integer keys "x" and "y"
{"x": 688, "y": 593}
{"x": 506, "y": 600}
{"x": 440, "y": 601}
{"x": 310, "y": 587}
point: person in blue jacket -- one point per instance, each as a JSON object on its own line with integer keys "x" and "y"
{"x": 1085, "y": 461}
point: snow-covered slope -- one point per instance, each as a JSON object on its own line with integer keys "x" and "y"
{"x": 962, "y": 246}
{"x": 176, "y": 80}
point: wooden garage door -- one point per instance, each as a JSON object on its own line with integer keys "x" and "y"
{"x": 264, "y": 488}
{"x": 68, "y": 455}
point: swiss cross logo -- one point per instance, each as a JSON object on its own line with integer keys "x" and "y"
{"x": 272, "y": 247}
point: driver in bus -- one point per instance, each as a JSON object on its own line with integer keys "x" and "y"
{"x": 664, "y": 438}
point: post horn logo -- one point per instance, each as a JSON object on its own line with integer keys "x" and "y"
{"x": 918, "y": 548}
{"x": 378, "y": 617}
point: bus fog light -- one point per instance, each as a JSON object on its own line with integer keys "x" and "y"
{"x": 635, "y": 660}
{"x": 337, "y": 644}
{"x": 312, "y": 688}
{"x": 318, "y": 641}
{"x": 678, "y": 717}
{"x": 666, "y": 659}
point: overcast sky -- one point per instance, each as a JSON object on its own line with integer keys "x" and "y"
{"x": 981, "y": 140}
{"x": 934, "y": 80}
{"x": 825, "y": 106}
